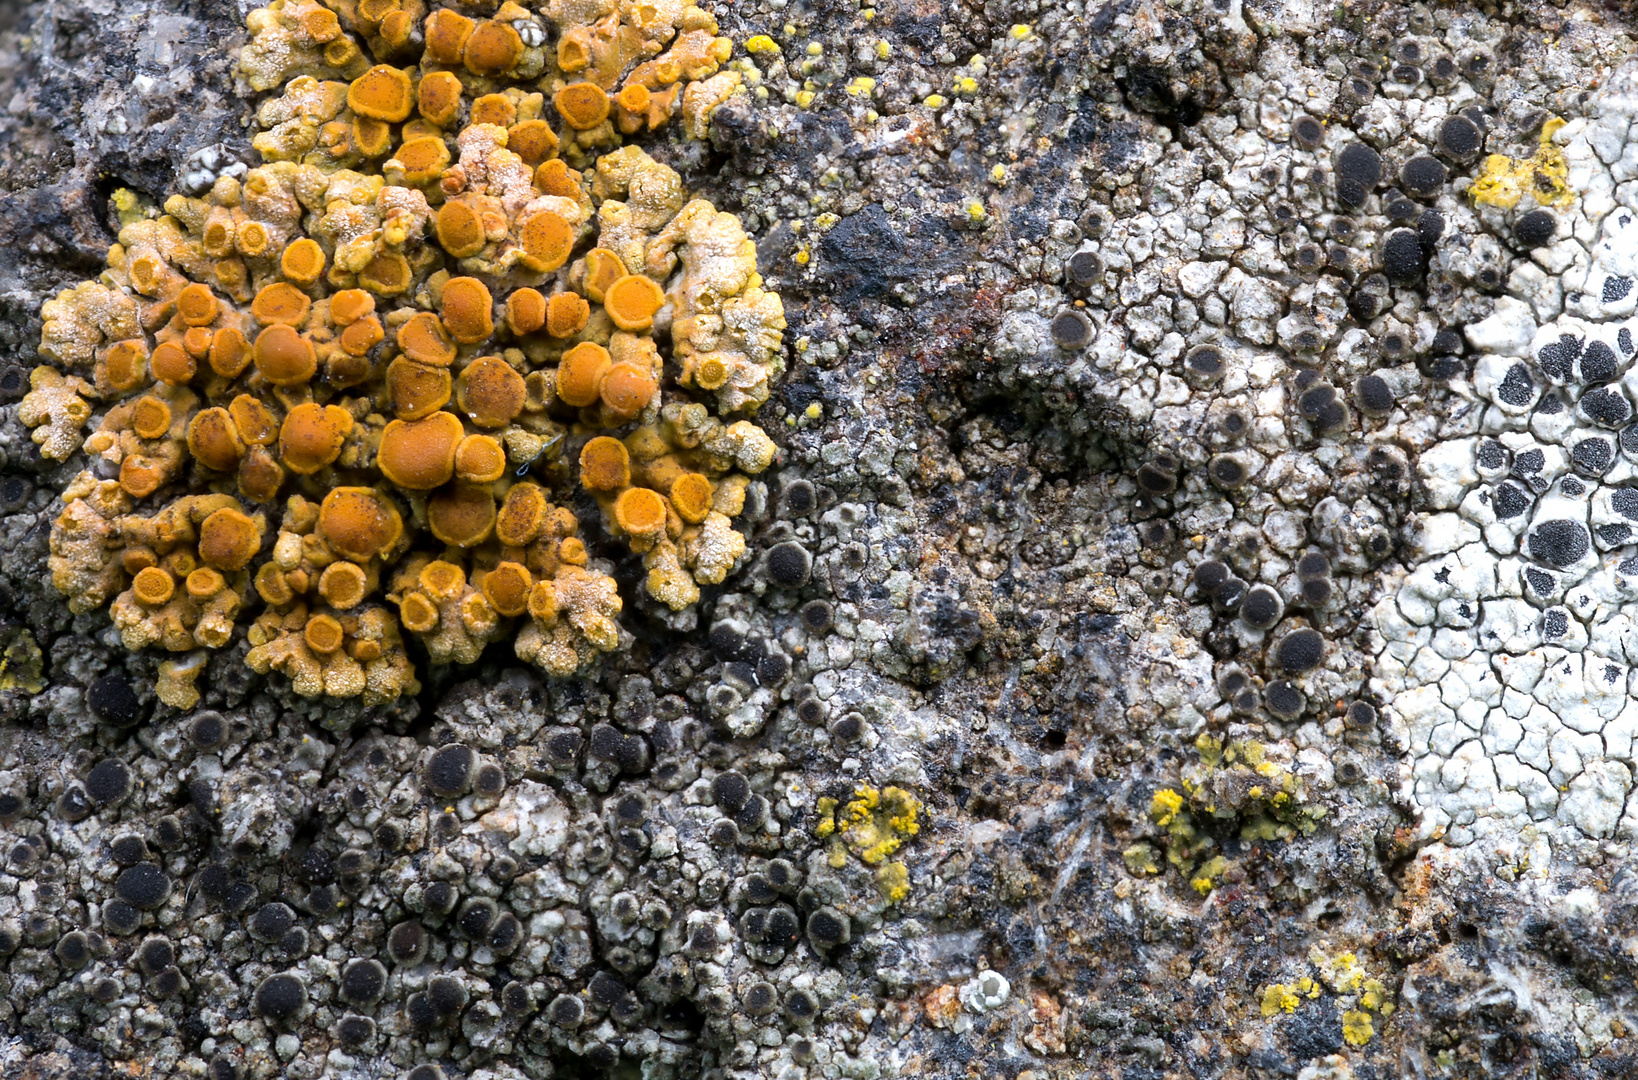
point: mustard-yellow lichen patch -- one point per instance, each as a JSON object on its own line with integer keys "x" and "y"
{"x": 1544, "y": 175}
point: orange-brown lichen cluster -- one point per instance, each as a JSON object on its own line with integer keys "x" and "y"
{"x": 349, "y": 391}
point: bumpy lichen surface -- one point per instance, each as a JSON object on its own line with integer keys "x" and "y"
{"x": 344, "y": 397}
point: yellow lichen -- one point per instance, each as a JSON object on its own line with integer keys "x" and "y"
{"x": 1544, "y": 175}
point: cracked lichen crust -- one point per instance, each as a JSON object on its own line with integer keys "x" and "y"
{"x": 1507, "y": 656}
{"x": 345, "y": 392}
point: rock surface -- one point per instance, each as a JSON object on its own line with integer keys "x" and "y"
{"x": 1106, "y": 322}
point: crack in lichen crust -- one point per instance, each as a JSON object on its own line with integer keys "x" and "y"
{"x": 348, "y": 388}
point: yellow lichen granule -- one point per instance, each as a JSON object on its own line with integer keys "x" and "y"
{"x": 1164, "y": 807}
{"x": 1543, "y": 175}
{"x": 872, "y": 825}
{"x": 342, "y": 394}
{"x": 1357, "y": 1028}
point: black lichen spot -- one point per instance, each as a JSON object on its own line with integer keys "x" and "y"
{"x": 1085, "y": 267}
{"x": 1402, "y": 257}
{"x": 1071, "y": 329}
{"x": 1227, "y": 472}
{"x": 143, "y": 886}
{"x": 1423, "y": 175}
{"x": 1555, "y": 623}
{"x": 112, "y": 699}
{"x": 120, "y": 918}
{"x": 108, "y": 782}
{"x": 1307, "y": 132}
{"x": 208, "y": 730}
{"x": 272, "y": 921}
{"x": 1373, "y": 395}
{"x": 730, "y": 790}
{"x": 1261, "y": 608}
{"x": 446, "y": 995}
{"x": 1541, "y": 583}
{"x": 407, "y": 943}
{"x": 1625, "y": 502}
{"x": 1557, "y": 358}
{"x": 1459, "y": 137}
{"x": 1283, "y": 700}
{"x": 1559, "y": 542}
{"x": 439, "y": 898}
{"x": 362, "y": 982}
{"x": 1534, "y": 229}
{"x": 1516, "y": 387}
{"x": 1154, "y": 479}
{"x": 15, "y": 492}
{"x": 1313, "y": 564}
{"x": 490, "y": 781}
{"x": 1358, "y": 170}
{"x": 799, "y": 499}
{"x": 1606, "y": 406}
{"x": 516, "y": 999}
{"x": 449, "y": 770}
{"x": 354, "y": 1030}
{"x": 1614, "y": 535}
{"x": 789, "y": 565}
{"x": 817, "y": 616}
{"x": 155, "y": 954}
{"x": 1429, "y": 228}
{"x": 73, "y": 950}
{"x": 828, "y": 928}
{"x": 1299, "y": 651}
{"x": 1616, "y": 288}
{"x": 761, "y": 998}
{"x": 1361, "y": 715}
{"x": 1597, "y": 363}
{"x": 477, "y": 916}
{"x": 1203, "y": 365}
{"x": 1623, "y": 338}
{"x": 1210, "y": 577}
{"x": 280, "y": 997}
{"x": 565, "y": 1011}
{"x": 1593, "y": 457}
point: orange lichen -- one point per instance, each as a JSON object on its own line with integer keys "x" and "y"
{"x": 468, "y": 310}
{"x": 641, "y": 513}
{"x": 170, "y": 363}
{"x": 459, "y": 230}
{"x": 415, "y": 389}
{"x": 229, "y": 352}
{"x": 497, "y": 109}
{"x": 323, "y": 634}
{"x": 462, "y": 514}
{"x": 282, "y": 303}
{"x": 632, "y": 301}
{"x": 627, "y": 389}
{"x": 419, "y": 455}
{"x": 283, "y": 356}
{"x": 229, "y": 538}
{"x": 691, "y": 495}
{"x": 507, "y": 587}
{"x": 151, "y": 418}
{"x": 312, "y": 435}
{"x": 480, "y": 459}
{"x": 446, "y": 36}
{"x": 311, "y": 335}
{"x": 532, "y": 140}
{"x": 580, "y": 374}
{"x": 603, "y": 268}
{"x": 555, "y": 178}
{"x": 153, "y": 585}
{"x": 605, "y": 465}
{"x": 567, "y": 314}
{"x": 490, "y": 392}
{"x": 492, "y": 49}
{"x": 422, "y": 159}
{"x": 582, "y": 105}
{"x": 424, "y": 338}
{"x": 196, "y": 305}
{"x": 439, "y": 97}
{"x": 547, "y": 240}
{"x": 525, "y": 311}
{"x": 382, "y": 93}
